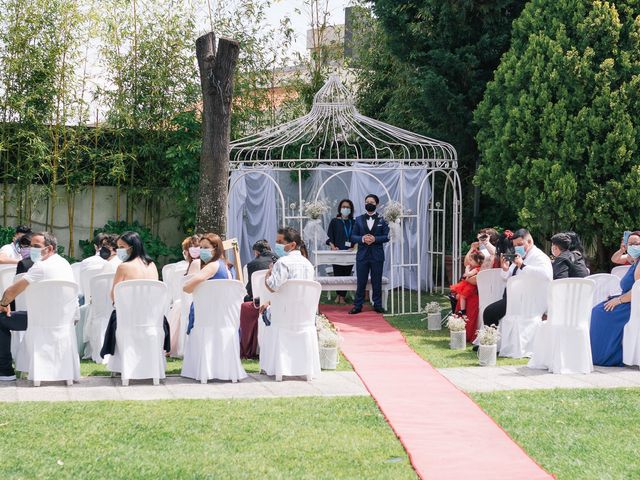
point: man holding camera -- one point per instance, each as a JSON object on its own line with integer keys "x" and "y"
{"x": 528, "y": 259}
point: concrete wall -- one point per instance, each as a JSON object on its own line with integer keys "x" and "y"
{"x": 166, "y": 215}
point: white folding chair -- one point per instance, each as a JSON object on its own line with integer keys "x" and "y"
{"x": 291, "y": 348}
{"x": 562, "y": 343}
{"x": 620, "y": 271}
{"x": 606, "y": 286}
{"x": 49, "y": 351}
{"x": 212, "y": 349}
{"x": 491, "y": 287}
{"x": 100, "y": 312}
{"x": 259, "y": 290}
{"x": 140, "y": 307}
{"x": 526, "y": 303}
{"x": 631, "y": 335}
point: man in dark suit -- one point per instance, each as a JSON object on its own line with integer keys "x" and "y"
{"x": 370, "y": 232}
{"x": 264, "y": 257}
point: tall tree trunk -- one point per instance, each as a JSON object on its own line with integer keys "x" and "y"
{"x": 216, "y": 80}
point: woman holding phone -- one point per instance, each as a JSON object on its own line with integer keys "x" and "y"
{"x": 620, "y": 257}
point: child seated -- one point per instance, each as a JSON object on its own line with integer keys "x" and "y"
{"x": 464, "y": 289}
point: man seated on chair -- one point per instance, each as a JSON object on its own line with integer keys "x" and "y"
{"x": 528, "y": 260}
{"x": 47, "y": 265}
{"x": 10, "y": 253}
{"x": 292, "y": 264}
{"x": 263, "y": 259}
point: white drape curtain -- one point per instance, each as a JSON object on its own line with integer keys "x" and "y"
{"x": 256, "y": 210}
{"x": 253, "y": 209}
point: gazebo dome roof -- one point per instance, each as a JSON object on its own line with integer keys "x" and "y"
{"x": 334, "y": 132}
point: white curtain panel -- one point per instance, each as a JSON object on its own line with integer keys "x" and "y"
{"x": 256, "y": 211}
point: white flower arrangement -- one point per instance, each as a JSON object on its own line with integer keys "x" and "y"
{"x": 488, "y": 335}
{"x": 392, "y": 211}
{"x": 456, "y": 323}
{"x": 315, "y": 210}
{"x": 432, "y": 307}
{"x": 327, "y": 334}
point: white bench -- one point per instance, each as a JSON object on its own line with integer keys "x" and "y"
{"x": 350, "y": 283}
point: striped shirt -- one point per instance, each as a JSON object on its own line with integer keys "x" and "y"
{"x": 290, "y": 267}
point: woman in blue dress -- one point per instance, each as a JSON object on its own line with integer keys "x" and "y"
{"x": 609, "y": 318}
{"x": 213, "y": 267}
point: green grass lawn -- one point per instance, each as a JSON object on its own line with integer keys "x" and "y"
{"x": 267, "y": 438}
{"x": 433, "y": 345}
{"x": 174, "y": 366}
{"x": 574, "y": 434}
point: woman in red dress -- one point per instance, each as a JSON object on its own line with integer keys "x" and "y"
{"x": 466, "y": 292}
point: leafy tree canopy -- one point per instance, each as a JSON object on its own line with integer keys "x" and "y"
{"x": 559, "y": 124}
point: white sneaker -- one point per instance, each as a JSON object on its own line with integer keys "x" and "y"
{"x": 7, "y": 378}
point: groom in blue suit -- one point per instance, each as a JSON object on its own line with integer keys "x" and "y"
{"x": 370, "y": 233}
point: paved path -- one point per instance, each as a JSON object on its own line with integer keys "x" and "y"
{"x": 489, "y": 379}
{"x": 328, "y": 384}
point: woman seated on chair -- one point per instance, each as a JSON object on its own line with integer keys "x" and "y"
{"x": 213, "y": 266}
{"x": 609, "y": 318}
{"x": 136, "y": 265}
{"x": 191, "y": 253}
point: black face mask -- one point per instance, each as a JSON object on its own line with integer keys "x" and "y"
{"x": 370, "y": 207}
{"x": 105, "y": 253}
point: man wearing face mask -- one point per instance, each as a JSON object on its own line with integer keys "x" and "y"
{"x": 292, "y": 264}
{"x": 47, "y": 265}
{"x": 97, "y": 258}
{"x": 370, "y": 233}
{"x": 10, "y": 253}
{"x": 108, "y": 252}
{"x": 25, "y": 252}
{"x": 528, "y": 260}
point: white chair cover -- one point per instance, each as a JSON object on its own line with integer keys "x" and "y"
{"x": 7, "y": 275}
{"x": 620, "y": 271}
{"x": 100, "y": 312}
{"x": 49, "y": 351}
{"x": 606, "y": 286}
{"x": 491, "y": 287}
{"x": 21, "y": 300}
{"x": 562, "y": 343}
{"x": 184, "y": 306}
{"x": 631, "y": 335}
{"x": 212, "y": 349}
{"x": 526, "y": 303}
{"x": 86, "y": 275}
{"x": 259, "y": 290}
{"x": 76, "y": 267}
{"x": 173, "y": 278}
{"x": 291, "y": 348}
{"x": 140, "y": 307}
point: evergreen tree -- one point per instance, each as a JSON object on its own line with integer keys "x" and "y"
{"x": 559, "y": 124}
{"x": 426, "y": 65}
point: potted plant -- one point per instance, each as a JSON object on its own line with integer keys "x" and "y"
{"x": 328, "y": 343}
{"x": 434, "y": 317}
{"x": 488, "y": 345}
{"x": 458, "y": 335}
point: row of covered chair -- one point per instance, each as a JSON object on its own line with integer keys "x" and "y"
{"x": 560, "y": 344}
{"x": 210, "y": 351}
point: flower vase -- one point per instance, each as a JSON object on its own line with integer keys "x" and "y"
{"x": 487, "y": 355}
{"x": 458, "y": 340}
{"x": 434, "y": 321}
{"x": 395, "y": 231}
{"x": 328, "y": 358}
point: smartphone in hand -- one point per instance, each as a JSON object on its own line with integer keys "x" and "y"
{"x": 625, "y": 236}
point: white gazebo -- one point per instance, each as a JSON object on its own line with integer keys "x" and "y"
{"x": 334, "y": 152}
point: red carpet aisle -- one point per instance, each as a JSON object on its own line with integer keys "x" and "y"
{"x": 446, "y": 435}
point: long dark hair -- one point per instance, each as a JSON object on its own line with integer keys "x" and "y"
{"x": 137, "y": 247}
{"x": 350, "y": 206}
{"x": 290, "y": 234}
